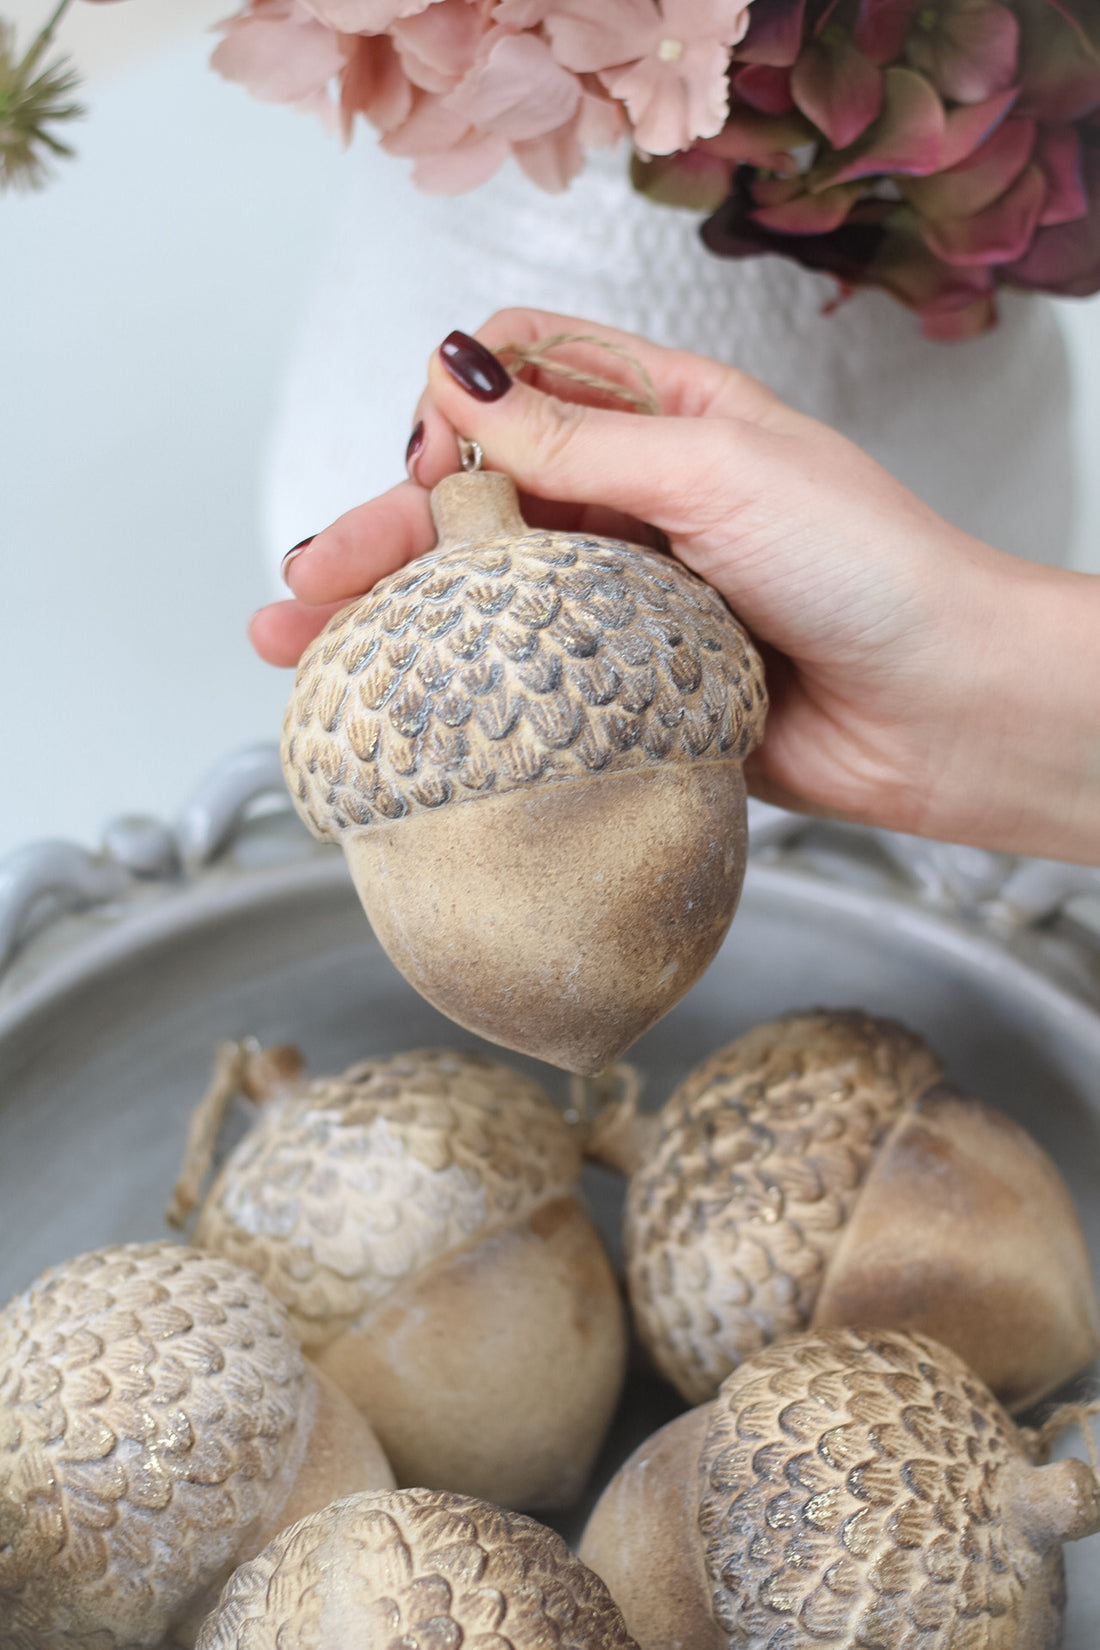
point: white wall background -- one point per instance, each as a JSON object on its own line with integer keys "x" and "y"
{"x": 146, "y": 303}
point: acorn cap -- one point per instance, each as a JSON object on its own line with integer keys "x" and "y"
{"x": 150, "y": 1396}
{"x": 415, "y": 1567}
{"x": 743, "y": 1195}
{"x": 350, "y": 1184}
{"x": 865, "y": 1488}
{"x": 507, "y": 657}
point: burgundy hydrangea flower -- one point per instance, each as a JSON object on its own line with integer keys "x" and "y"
{"x": 940, "y": 149}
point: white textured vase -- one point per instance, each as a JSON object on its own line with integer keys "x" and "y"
{"x": 978, "y": 429}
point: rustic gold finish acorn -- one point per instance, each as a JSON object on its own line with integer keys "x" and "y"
{"x": 158, "y": 1424}
{"x": 815, "y": 1172}
{"x": 844, "y": 1488}
{"x": 418, "y": 1217}
{"x": 529, "y": 745}
{"x": 415, "y": 1568}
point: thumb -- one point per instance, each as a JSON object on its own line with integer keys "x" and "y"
{"x": 680, "y": 474}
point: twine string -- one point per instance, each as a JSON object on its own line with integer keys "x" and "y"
{"x": 589, "y": 1096}
{"x": 1044, "y": 1438}
{"x": 538, "y": 355}
{"x": 206, "y": 1122}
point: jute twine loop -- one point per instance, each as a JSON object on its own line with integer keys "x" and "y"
{"x": 1043, "y": 1439}
{"x": 588, "y": 1096}
{"x": 537, "y": 355}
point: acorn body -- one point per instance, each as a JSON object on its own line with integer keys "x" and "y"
{"x": 419, "y": 1219}
{"x": 844, "y": 1488}
{"x": 815, "y": 1172}
{"x": 415, "y": 1567}
{"x": 158, "y": 1424}
{"x": 530, "y": 746}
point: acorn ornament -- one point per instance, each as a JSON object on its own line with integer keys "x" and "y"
{"x": 158, "y": 1424}
{"x": 529, "y": 745}
{"x": 846, "y": 1487}
{"x": 419, "y": 1218}
{"x": 415, "y": 1568}
{"x": 815, "y": 1172}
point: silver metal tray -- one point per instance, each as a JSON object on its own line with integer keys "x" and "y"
{"x": 225, "y": 925}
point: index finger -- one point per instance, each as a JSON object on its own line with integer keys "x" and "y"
{"x": 362, "y": 546}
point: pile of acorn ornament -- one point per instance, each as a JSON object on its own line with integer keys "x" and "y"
{"x": 393, "y": 1278}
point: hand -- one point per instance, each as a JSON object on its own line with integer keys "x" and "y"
{"x": 919, "y": 679}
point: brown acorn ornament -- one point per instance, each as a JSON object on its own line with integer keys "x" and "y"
{"x": 815, "y": 1172}
{"x": 415, "y": 1568}
{"x": 158, "y": 1425}
{"x": 529, "y": 745}
{"x": 419, "y": 1218}
{"x": 845, "y": 1488}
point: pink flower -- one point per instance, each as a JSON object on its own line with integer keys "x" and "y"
{"x": 666, "y": 60}
{"x": 440, "y": 44}
{"x": 553, "y": 161}
{"x": 374, "y": 84}
{"x": 364, "y": 16}
{"x": 516, "y": 89}
{"x": 282, "y": 54}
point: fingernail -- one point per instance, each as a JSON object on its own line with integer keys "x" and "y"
{"x": 291, "y": 554}
{"x": 416, "y": 441}
{"x": 474, "y": 368}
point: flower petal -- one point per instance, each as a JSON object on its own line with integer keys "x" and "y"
{"x": 462, "y": 166}
{"x": 955, "y": 325}
{"x": 670, "y": 104}
{"x": 586, "y": 37}
{"x": 837, "y": 88}
{"x": 998, "y": 235}
{"x": 1066, "y": 258}
{"x": 374, "y": 84}
{"x": 363, "y": 16}
{"x": 517, "y": 90}
{"x": 774, "y": 34}
{"x": 761, "y": 140}
{"x": 692, "y": 179}
{"x": 977, "y": 181}
{"x": 881, "y": 28}
{"x": 809, "y": 214}
{"x": 970, "y": 124}
{"x": 1060, "y": 156}
{"x": 440, "y": 45}
{"x": 281, "y": 56}
{"x": 764, "y": 88}
{"x": 907, "y": 137}
{"x": 971, "y": 54}
{"x": 430, "y": 129}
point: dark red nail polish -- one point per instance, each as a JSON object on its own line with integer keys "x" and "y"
{"x": 474, "y": 368}
{"x": 297, "y": 550}
{"x": 416, "y": 441}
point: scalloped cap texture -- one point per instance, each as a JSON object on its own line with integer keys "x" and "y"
{"x": 486, "y": 667}
{"x": 595, "y": 700}
{"x": 864, "y": 1488}
{"x": 151, "y": 1399}
{"x": 351, "y": 1184}
{"x": 742, "y": 1200}
{"x": 415, "y": 1567}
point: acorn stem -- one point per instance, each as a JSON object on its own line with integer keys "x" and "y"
{"x": 470, "y": 506}
{"x": 1056, "y": 1504}
{"x": 619, "y": 1138}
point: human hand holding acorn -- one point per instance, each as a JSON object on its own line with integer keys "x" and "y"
{"x": 816, "y": 1172}
{"x": 158, "y": 1424}
{"x": 418, "y": 1216}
